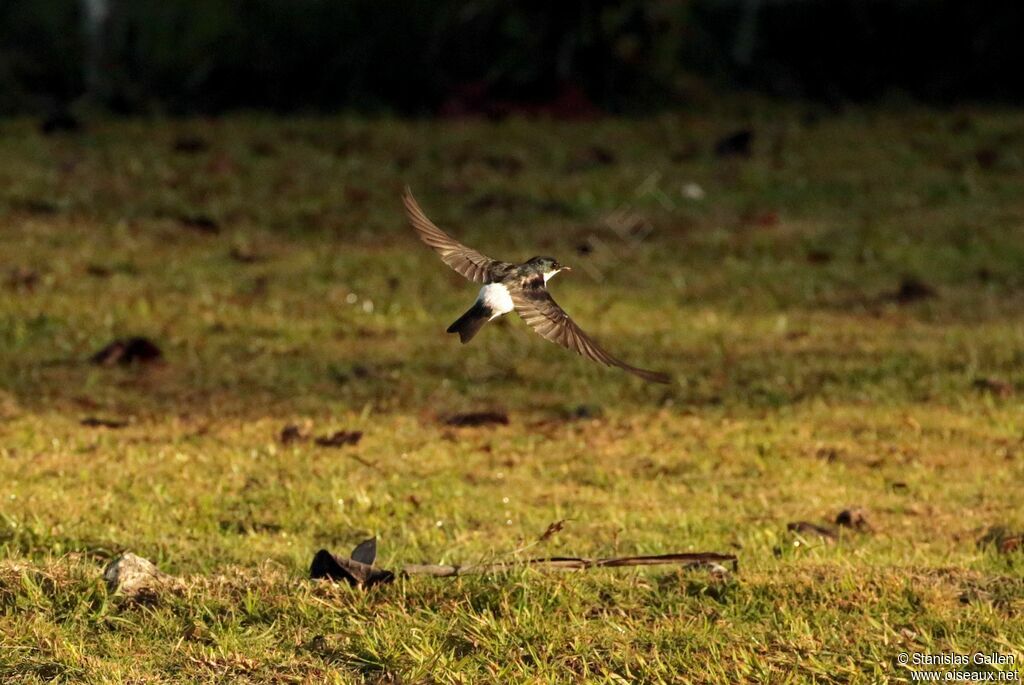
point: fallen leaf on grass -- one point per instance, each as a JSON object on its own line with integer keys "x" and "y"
{"x": 477, "y": 418}
{"x": 292, "y": 433}
{"x": 317, "y": 644}
{"x": 355, "y": 572}
{"x": 200, "y": 223}
{"x": 819, "y": 256}
{"x": 1002, "y": 539}
{"x": 552, "y": 529}
{"x": 23, "y": 278}
{"x": 996, "y": 386}
{"x": 35, "y": 205}
{"x": 987, "y": 157}
{"x": 854, "y": 518}
{"x": 127, "y": 351}
{"x": 984, "y": 274}
{"x": 912, "y": 290}
{"x": 736, "y": 144}
{"x": 106, "y": 271}
{"x": 828, "y": 454}
{"x": 1011, "y": 544}
{"x": 95, "y": 422}
{"x": 365, "y": 552}
{"x": 584, "y": 412}
{"x": 340, "y": 439}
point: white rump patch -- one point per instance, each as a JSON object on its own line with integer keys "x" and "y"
{"x": 495, "y": 297}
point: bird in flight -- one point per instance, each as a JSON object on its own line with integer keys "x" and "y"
{"x": 513, "y": 287}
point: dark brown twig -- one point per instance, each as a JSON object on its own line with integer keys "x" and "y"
{"x": 572, "y": 564}
{"x": 358, "y": 569}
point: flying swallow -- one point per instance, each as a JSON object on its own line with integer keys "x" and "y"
{"x": 508, "y": 287}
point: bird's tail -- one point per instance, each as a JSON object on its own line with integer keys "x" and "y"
{"x": 469, "y": 323}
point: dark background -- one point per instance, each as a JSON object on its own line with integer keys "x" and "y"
{"x": 491, "y": 57}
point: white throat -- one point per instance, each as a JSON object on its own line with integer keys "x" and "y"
{"x": 549, "y": 275}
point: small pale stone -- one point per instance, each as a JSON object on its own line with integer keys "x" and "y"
{"x": 693, "y": 191}
{"x": 130, "y": 573}
{"x": 717, "y": 570}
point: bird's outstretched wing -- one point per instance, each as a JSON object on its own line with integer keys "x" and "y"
{"x": 540, "y": 311}
{"x": 466, "y": 261}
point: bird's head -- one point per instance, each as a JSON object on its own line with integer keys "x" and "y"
{"x": 548, "y": 266}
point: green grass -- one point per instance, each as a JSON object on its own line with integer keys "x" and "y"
{"x": 803, "y": 387}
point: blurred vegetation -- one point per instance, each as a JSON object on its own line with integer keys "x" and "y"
{"x": 486, "y": 57}
{"x": 41, "y": 53}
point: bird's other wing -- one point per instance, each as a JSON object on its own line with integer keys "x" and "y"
{"x": 466, "y": 261}
{"x": 540, "y": 311}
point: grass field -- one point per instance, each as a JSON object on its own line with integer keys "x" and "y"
{"x": 842, "y": 313}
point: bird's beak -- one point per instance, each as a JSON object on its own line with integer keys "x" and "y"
{"x": 566, "y": 268}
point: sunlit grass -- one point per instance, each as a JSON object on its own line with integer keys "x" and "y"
{"x": 804, "y": 386}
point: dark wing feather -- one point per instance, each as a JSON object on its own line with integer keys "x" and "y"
{"x": 540, "y": 311}
{"x": 465, "y": 261}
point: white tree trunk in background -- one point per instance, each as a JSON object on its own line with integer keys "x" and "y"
{"x": 94, "y": 15}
